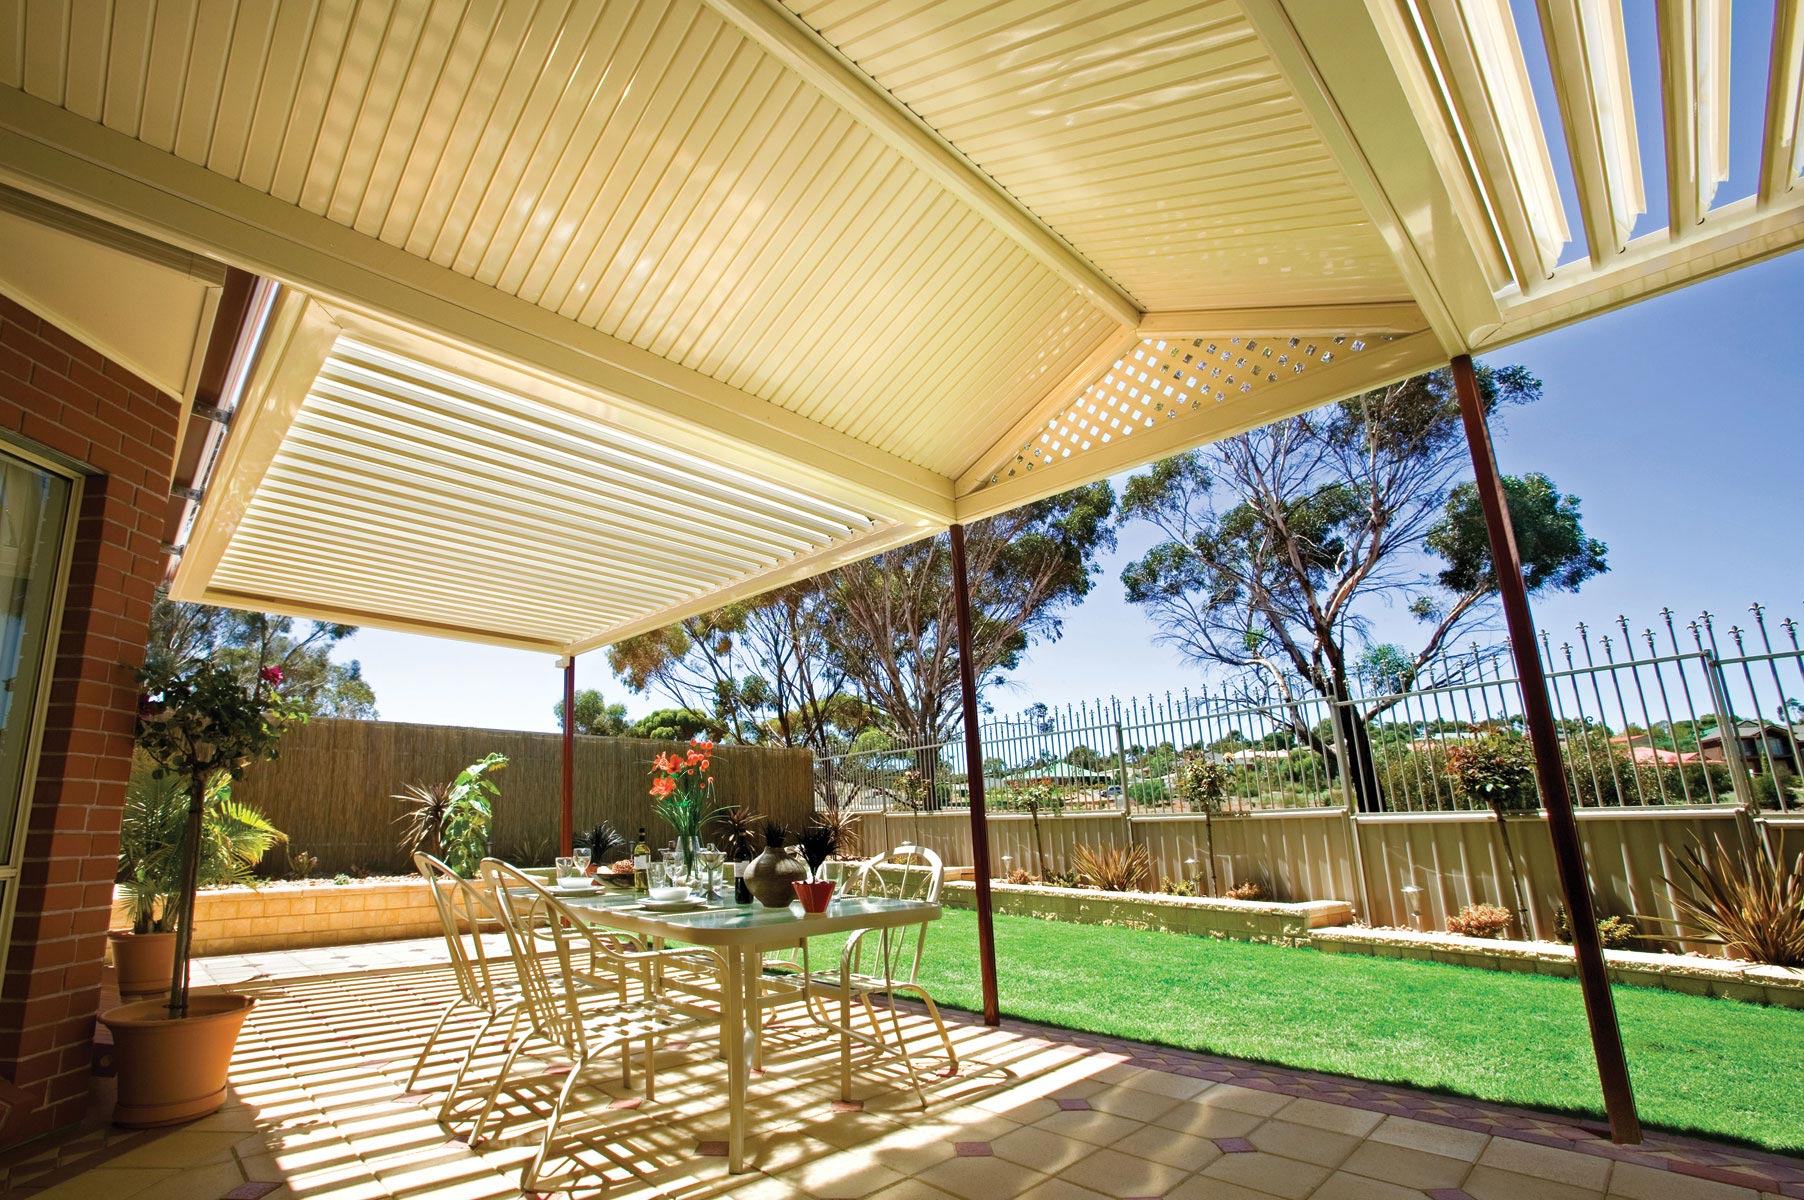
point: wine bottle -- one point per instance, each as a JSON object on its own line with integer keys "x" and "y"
{"x": 641, "y": 866}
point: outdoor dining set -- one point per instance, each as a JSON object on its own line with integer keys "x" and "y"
{"x": 594, "y": 973}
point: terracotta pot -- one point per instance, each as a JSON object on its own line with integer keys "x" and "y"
{"x": 172, "y": 1071}
{"x": 143, "y": 961}
{"x": 771, "y": 874}
{"x": 815, "y": 896}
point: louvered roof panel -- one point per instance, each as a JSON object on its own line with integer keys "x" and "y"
{"x": 642, "y": 169}
{"x": 411, "y": 493}
{"x": 1158, "y": 139}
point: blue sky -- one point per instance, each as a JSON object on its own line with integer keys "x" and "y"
{"x": 1679, "y": 423}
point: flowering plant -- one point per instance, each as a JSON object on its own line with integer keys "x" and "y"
{"x": 201, "y": 726}
{"x": 682, "y": 787}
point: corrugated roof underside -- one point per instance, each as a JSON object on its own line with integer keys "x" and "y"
{"x": 643, "y": 170}
{"x": 407, "y": 491}
{"x": 1157, "y": 138}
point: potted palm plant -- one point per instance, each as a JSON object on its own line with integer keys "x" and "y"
{"x": 234, "y": 839}
{"x": 197, "y": 728}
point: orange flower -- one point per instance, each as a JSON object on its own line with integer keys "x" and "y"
{"x": 664, "y": 762}
{"x": 663, "y": 787}
{"x": 703, "y": 745}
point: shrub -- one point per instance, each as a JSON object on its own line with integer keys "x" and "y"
{"x": 234, "y": 836}
{"x": 1615, "y": 933}
{"x": 1252, "y": 889}
{"x": 1758, "y": 912}
{"x": 1178, "y": 887}
{"x": 1020, "y": 876}
{"x": 452, "y": 820}
{"x": 302, "y": 864}
{"x": 1202, "y": 784}
{"x": 1148, "y": 791}
{"x": 1480, "y": 921}
{"x": 1495, "y": 770}
{"x": 1113, "y": 869}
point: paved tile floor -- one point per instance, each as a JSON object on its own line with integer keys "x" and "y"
{"x": 319, "y": 1108}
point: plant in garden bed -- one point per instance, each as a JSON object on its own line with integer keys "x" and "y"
{"x": 1202, "y": 787}
{"x": 1113, "y": 869}
{"x": 1757, "y": 913}
{"x": 1497, "y": 769}
{"x": 1613, "y": 933}
{"x": 1480, "y": 921}
{"x": 1034, "y": 799}
{"x": 452, "y": 820}
{"x": 1252, "y": 889}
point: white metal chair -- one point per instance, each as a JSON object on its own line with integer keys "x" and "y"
{"x": 463, "y": 912}
{"x": 892, "y": 964}
{"x": 546, "y": 939}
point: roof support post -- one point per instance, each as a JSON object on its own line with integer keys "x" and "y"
{"x": 1537, "y": 711}
{"x": 566, "y": 810}
{"x": 980, "y": 832}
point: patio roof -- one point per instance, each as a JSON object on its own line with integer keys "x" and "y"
{"x": 594, "y": 317}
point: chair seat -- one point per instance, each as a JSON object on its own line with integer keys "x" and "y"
{"x": 630, "y": 1022}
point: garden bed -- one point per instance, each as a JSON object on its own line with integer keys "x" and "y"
{"x": 311, "y": 912}
{"x": 1204, "y": 916}
{"x": 1689, "y": 973}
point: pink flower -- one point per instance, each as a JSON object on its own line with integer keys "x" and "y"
{"x": 270, "y": 675}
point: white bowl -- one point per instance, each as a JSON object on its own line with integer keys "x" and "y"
{"x": 669, "y": 895}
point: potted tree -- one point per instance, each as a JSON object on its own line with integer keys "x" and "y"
{"x": 234, "y": 839}
{"x": 200, "y": 729}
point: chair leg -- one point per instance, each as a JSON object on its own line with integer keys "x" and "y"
{"x": 488, "y": 1103}
{"x": 529, "y": 1175}
{"x": 651, "y": 1069}
{"x": 426, "y": 1050}
{"x": 933, "y": 1011}
{"x": 463, "y": 1066}
{"x": 870, "y": 1012}
{"x": 908, "y": 1062}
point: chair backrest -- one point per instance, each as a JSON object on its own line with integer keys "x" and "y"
{"x": 541, "y": 934}
{"x": 908, "y": 872}
{"x": 462, "y": 912}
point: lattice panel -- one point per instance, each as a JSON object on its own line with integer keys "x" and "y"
{"x": 1165, "y": 379}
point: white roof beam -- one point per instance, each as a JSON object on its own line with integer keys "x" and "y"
{"x": 786, "y": 38}
{"x": 1588, "y": 51}
{"x": 1782, "y": 149}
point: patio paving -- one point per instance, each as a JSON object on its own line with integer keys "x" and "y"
{"x": 318, "y": 1108}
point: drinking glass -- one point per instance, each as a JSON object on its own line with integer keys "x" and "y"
{"x": 566, "y": 869}
{"x": 581, "y": 855}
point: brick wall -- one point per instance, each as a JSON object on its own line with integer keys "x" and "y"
{"x": 64, "y": 395}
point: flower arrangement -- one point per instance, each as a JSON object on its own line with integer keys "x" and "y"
{"x": 197, "y": 727}
{"x": 682, "y": 789}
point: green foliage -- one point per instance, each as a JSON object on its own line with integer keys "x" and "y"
{"x": 674, "y": 725}
{"x": 595, "y": 717}
{"x": 234, "y": 837}
{"x": 1555, "y": 551}
{"x": 184, "y": 635}
{"x": 1613, "y": 933}
{"x": 1148, "y": 792}
{"x": 469, "y": 815}
{"x": 1178, "y": 887}
{"x": 1757, "y": 912}
{"x": 1113, "y": 869}
{"x": 1202, "y": 784}
{"x": 1036, "y": 799}
{"x": 1495, "y": 769}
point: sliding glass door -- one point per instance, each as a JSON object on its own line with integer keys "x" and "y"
{"x": 36, "y": 505}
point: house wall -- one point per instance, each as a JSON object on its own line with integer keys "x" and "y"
{"x": 65, "y": 396}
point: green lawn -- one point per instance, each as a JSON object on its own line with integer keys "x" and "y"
{"x": 1716, "y": 1067}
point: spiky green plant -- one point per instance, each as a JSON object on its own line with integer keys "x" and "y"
{"x": 1113, "y": 869}
{"x": 1755, "y": 910}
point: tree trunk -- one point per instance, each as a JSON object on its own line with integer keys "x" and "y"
{"x": 184, "y": 929}
{"x": 1509, "y": 862}
{"x": 1209, "y": 850}
{"x": 1361, "y": 766}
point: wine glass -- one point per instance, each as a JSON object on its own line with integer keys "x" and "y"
{"x": 581, "y": 855}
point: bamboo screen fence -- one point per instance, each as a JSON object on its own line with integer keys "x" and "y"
{"x": 330, "y": 789}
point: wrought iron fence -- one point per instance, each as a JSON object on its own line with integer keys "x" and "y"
{"x": 1671, "y": 714}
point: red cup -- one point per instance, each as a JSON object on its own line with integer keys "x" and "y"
{"x": 814, "y": 896}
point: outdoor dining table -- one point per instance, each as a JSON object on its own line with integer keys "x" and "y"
{"x": 743, "y": 934}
